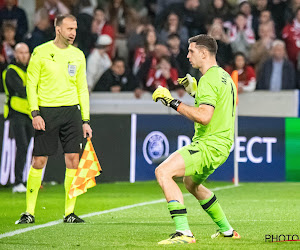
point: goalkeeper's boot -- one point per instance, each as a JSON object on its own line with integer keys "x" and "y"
{"x": 73, "y": 218}
{"x": 178, "y": 238}
{"x": 26, "y": 218}
{"x": 219, "y": 234}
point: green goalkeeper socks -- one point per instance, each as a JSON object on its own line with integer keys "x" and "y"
{"x": 33, "y": 186}
{"x": 214, "y": 210}
{"x": 179, "y": 215}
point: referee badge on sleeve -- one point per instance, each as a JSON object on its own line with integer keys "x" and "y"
{"x": 72, "y": 69}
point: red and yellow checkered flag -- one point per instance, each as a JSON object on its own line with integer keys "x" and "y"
{"x": 88, "y": 169}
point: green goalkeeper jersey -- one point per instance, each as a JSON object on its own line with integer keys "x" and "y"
{"x": 57, "y": 77}
{"x": 217, "y": 89}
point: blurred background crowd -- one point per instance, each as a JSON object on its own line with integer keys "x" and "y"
{"x": 137, "y": 45}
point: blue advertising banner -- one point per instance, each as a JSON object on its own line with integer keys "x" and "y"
{"x": 260, "y": 145}
{"x": 157, "y": 136}
{"x": 261, "y": 151}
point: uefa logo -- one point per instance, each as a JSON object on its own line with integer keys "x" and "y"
{"x": 155, "y": 145}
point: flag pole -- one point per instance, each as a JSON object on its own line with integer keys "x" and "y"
{"x": 235, "y": 78}
{"x": 236, "y": 164}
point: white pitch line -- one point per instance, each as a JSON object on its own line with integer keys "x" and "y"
{"x": 260, "y": 220}
{"x": 56, "y": 222}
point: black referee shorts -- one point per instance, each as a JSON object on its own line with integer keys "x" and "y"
{"x": 62, "y": 124}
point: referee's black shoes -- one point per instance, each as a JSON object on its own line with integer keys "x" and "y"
{"x": 26, "y": 218}
{"x": 73, "y": 218}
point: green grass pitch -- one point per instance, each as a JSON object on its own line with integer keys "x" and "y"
{"x": 254, "y": 210}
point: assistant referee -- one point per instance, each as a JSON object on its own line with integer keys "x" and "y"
{"x": 59, "y": 102}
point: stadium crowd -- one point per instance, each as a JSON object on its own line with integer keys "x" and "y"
{"x": 139, "y": 45}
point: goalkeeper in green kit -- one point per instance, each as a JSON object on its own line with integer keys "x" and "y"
{"x": 213, "y": 115}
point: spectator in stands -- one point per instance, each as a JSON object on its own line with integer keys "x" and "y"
{"x": 192, "y": 16}
{"x": 151, "y": 63}
{"x": 179, "y": 54}
{"x": 54, "y": 8}
{"x": 290, "y": 11}
{"x": 246, "y": 74}
{"x": 98, "y": 61}
{"x": 163, "y": 75}
{"x": 42, "y": 32}
{"x": 246, "y": 8}
{"x": 137, "y": 38}
{"x": 15, "y": 15}
{"x": 261, "y": 12}
{"x": 259, "y": 6}
{"x": 265, "y": 16}
{"x": 217, "y": 20}
{"x": 278, "y": 8}
{"x": 142, "y": 52}
{"x": 101, "y": 26}
{"x": 8, "y": 43}
{"x": 85, "y": 39}
{"x": 224, "y": 53}
{"x": 82, "y": 6}
{"x": 278, "y": 72}
{"x": 219, "y": 9}
{"x": 291, "y": 37}
{"x": 261, "y": 49}
{"x": 241, "y": 36}
{"x": 152, "y": 8}
{"x": 2, "y": 4}
{"x": 171, "y": 26}
{"x": 124, "y": 20}
{"x": 117, "y": 79}
{"x": 162, "y": 5}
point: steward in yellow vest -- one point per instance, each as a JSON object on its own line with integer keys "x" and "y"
{"x": 14, "y": 84}
{"x": 16, "y": 110}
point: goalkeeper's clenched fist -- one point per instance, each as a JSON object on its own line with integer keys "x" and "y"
{"x": 189, "y": 83}
{"x": 164, "y": 95}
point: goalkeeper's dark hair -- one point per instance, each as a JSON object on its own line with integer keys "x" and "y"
{"x": 205, "y": 41}
{"x": 59, "y": 19}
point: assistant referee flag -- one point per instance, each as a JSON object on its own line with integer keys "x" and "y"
{"x": 88, "y": 168}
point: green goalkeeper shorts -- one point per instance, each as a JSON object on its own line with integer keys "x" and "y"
{"x": 200, "y": 160}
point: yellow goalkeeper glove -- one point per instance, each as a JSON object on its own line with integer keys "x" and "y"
{"x": 189, "y": 83}
{"x": 164, "y": 95}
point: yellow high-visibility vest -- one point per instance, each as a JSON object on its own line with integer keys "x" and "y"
{"x": 17, "y": 103}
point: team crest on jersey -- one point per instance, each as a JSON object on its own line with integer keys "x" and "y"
{"x": 72, "y": 70}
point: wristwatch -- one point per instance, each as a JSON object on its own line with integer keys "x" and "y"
{"x": 86, "y": 122}
{"x": 35, "y": 113}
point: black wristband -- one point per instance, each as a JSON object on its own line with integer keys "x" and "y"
{"x": 175, "y": 104}
{"x": 35, "y": 113}
{"x": 86, "y": 122}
